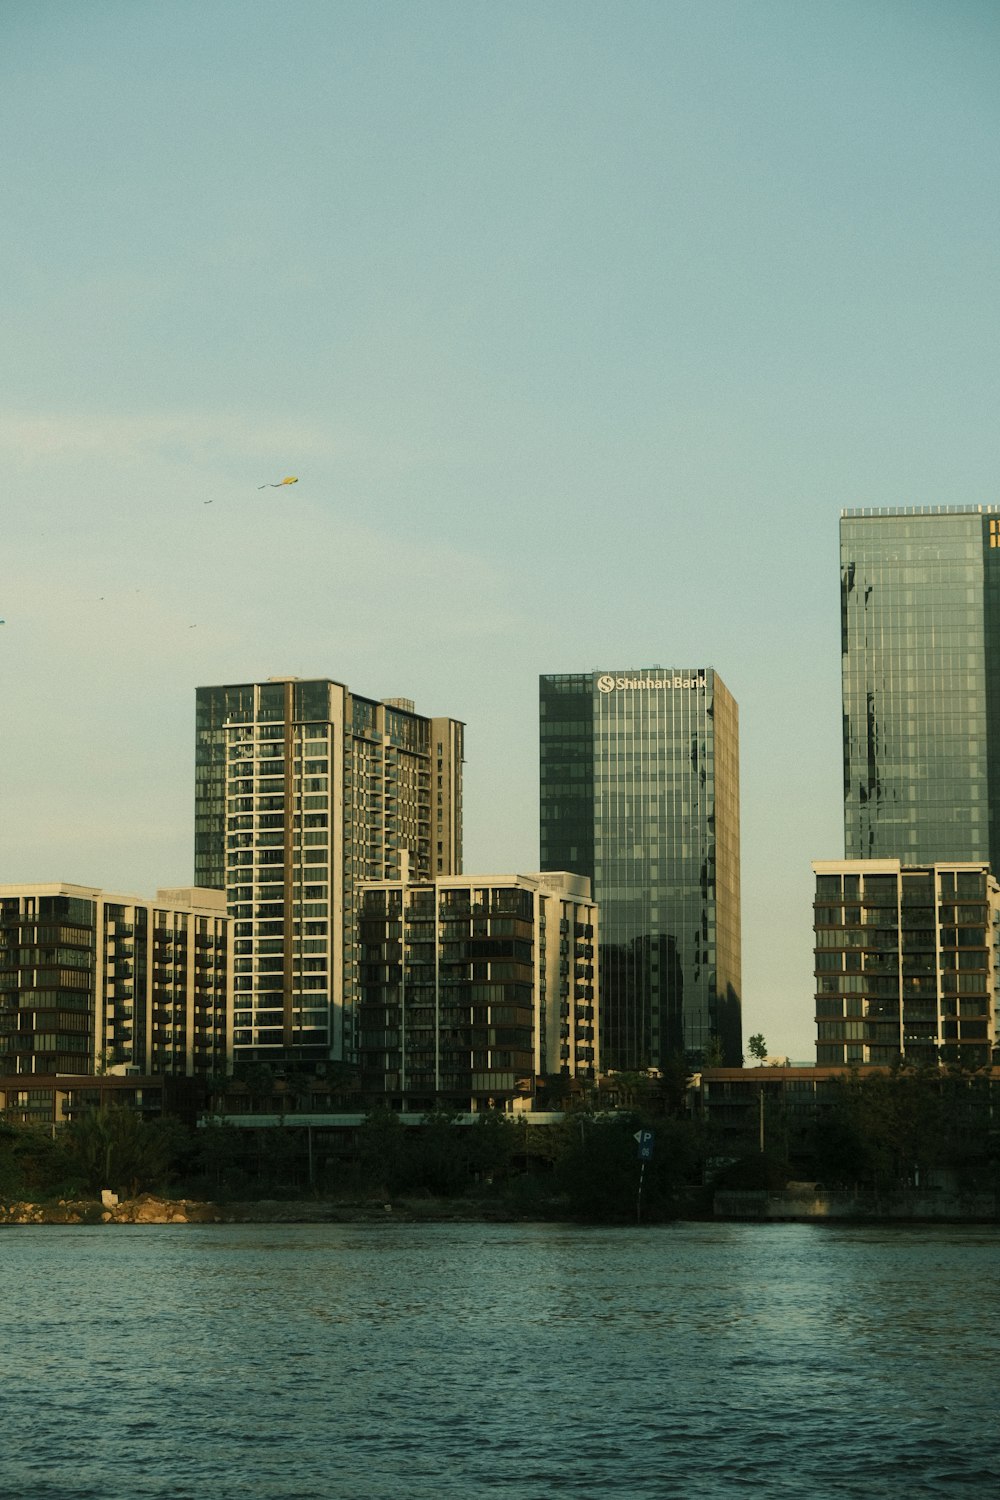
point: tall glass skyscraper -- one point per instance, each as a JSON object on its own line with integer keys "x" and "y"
{"x": 920, "y": 628}
{"x": 640, "y": 791}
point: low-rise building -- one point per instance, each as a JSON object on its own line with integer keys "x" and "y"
{"x": 472, "y": 986}
{"x": 50, "y": 1101}
{"x": 906, "y": 962}
{"x": 92, "y": 982}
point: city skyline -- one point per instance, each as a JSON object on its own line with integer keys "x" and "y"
{"x": 578, "y": 328}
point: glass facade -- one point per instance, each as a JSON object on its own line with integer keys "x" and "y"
{"x": 640, "y": 792}
{"x": 920, "y": 627}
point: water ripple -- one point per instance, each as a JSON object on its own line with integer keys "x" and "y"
{"x": 314, "y": 1362}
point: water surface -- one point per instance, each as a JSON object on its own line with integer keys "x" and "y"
{"x": 314, "y": 1362}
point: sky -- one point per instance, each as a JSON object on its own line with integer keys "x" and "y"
{"x": 578, "y": 322}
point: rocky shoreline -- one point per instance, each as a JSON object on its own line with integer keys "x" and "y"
{"x": 149, "y": 1209}
{"x": 733, "y": 1206}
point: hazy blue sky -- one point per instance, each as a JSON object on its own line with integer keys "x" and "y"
{"x": 579, "y": 323}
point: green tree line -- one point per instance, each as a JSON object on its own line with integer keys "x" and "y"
{"x": 585, "y": 1167}
{"x": 878, "y": 1132}
{"x": 884, "y": 1131}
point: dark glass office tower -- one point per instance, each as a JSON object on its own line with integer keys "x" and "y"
{"x": 640, "y": 791}
{"x": 920, "y": 627}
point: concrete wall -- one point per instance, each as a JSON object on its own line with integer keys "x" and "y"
{"x": 809, "y": 1204}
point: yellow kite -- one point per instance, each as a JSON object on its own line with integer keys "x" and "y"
{"x": 289, "y": 479}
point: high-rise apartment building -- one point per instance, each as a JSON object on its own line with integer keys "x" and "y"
{"x": 91, "y": 982}
{"x": 640, "y": 792}
{"x": 472, "y": 986}
{"x": 906, "y": 962}
{"x": 303, "y": 789}
{"x": 920, "y": 627}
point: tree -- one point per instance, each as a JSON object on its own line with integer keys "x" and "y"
{"x": 757, "y": 1047}
{"x": 887, "y": 1130}
{"x": 599, "y": 1169}
{"x": 218, "y": 1084}
{"x": 114, "y": 1147}
{"x": 676, "y": 1075}
{"x": 491, "y": 1144}
{"x": 31, "y": 1163}
{"x": 260, "y": 1081}
{"x": 713, "y": 1057}
{"x": 220, "y": 1154}
{"x": 436, "y": 1159}
{"x": 382, "y": 1151}
{"x": 281, "y": 1156}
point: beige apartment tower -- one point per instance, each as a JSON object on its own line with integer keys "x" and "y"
{"x": 906, "y": 962}
{"x": 472, "y": 987}
{"x": 303, "y": 790}
{"x": 94, "y": 983}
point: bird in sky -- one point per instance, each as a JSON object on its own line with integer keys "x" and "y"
{"x": 289, "y": 479}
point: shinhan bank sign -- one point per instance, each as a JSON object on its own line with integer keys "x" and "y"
{"x": 609, "y": 684}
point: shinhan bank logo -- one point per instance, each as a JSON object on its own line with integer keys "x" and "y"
{"x": 609, "y": 684}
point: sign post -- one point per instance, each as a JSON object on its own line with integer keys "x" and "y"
{"x": 645, "y": 1140}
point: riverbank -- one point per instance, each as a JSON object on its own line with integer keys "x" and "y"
{"x": 149, "y": 1209}
{"x": 786, "y": 1206}
{"x": 803, "y": 1201}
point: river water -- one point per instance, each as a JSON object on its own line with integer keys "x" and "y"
{"x": 403, "y": 1362}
